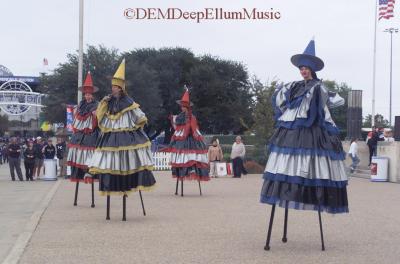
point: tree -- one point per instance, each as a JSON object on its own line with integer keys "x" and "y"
{"x": 155, "y": 78}
{"x": 339, "y": 114}
{"x": 222, "y": 95}
{"x": 380, "y": 121}
{"x": 61, "y": 86}
{"x": 263, "y": 116}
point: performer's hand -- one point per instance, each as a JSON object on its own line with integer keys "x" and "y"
{"x": 107, "y": 98}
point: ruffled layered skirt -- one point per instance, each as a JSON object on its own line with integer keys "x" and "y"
{"x": 305, "y": 170}
{"x": 189, "y": 159}
{"x": 80, "y": 152}
{"x": 123, "y": 162}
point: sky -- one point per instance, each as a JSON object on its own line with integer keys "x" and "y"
{"x": 343, "y": 32}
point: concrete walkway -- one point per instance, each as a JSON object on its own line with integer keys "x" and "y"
{"x": 226, "y": 225}
{"x": 21, "y": 206}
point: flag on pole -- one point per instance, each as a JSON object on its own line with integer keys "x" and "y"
{"x": 386, "y": 9}
{"x": 45, "y": 62}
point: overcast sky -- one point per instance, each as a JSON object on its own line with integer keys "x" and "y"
{"x": 343, "y": 30}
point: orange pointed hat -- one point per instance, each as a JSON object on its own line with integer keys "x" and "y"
{"x": 88, "y": 85}
{"x": 185, "y": 101}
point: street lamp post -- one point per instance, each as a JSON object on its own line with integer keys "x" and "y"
{"x": 391, "y": 31}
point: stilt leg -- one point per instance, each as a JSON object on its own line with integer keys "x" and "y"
{"x": 271, "y": 221}
{"x": 92, "y": 195}
{"x": 320, "y": 229}
{"x": 200, "y": 188}
{"x": 141, "y": 200}
{"x": 124, "y": 208}
{"x": 182, "y": 187}
{"x": 108, "y": 208}
{"x": 76, "y": 193}
{"x": 177, "y": 183}
{"x": 284, "y": 238}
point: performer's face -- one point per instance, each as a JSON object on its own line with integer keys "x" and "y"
{"x": 305, "y": 73}
{"x": 184, "y": 109}
{"x": 88, "y": 97}
{"x": 116, "y": 90}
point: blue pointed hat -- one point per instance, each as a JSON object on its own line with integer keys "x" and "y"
{"x": 308, "y": 58}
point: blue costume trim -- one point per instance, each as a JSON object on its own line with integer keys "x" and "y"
{"x": 302, "y": 206}
{"x": 303, "y": 151}
{"x": 303, "y": 181}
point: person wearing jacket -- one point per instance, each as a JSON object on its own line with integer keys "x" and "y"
{"x": 14, "y": 159}
{"x": 29, "y": 161}
{"x": 215, "y": 155}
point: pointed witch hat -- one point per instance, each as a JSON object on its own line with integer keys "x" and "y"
{"x": 119, "y": 76}
{"x": 308, "y": 58}
{"x": 185, "y": 101}
{"x": 88, "y": 85}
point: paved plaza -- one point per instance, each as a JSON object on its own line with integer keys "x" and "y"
{"x": 225, "y": 225}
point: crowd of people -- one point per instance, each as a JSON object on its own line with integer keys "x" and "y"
{"x": 31, "y": 152}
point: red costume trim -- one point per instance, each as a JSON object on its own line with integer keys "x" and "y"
{"x": 185, "y": 151}
{"x": 190, "y": 163}
{"x": 86, "y": 130}
{"x": 77, "y": 165}
{"x": 188, "y": 128}
{"x": 81, "y": 147}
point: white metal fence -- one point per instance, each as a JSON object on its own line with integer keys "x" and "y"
{"x": 162, "y": 161}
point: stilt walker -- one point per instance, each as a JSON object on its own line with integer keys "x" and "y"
{"x": 188, "y": 151}
{"x": 122, "y": 159}
{"x": 305, "y": 168}
{"x": 83, "y": 141}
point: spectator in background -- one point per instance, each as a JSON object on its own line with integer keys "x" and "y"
{"x": 353, "y": 154}
{"x": 61, "y": 156}
{"x": 215, "y": 155}
{"x": 14, "y": 152}
{"x": 39, "y": 157}
{"x": 49, "y": 151}
{"x": 373, "y": 143}
{"x": 29, "y": 161}
{"x": 237, "y": 156}
{"x": 4, "y": 153}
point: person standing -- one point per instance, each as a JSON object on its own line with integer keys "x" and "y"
{"x": 305, "y": 168}
{"x": 237, "y": 156}
{"x": 14, "y": 159}
{"x": 5, "y": 154}
{"x": 189, "y": 159}
{"x": 39, "y": 157}
{"x": 353, "y": 153}
{"x": 83, "y": 141}
{"x": 61, "y": 154}
{"x": 122, "y": 159}
{"x": 49, "y": 151}
{"x": 373, "y": 143}
{"x": 215, "y": 155}
{"x": 29, "y": 161}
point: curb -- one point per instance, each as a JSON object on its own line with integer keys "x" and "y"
{"x": 23, "y": 239}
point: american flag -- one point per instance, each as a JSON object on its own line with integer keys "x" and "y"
{"x": 386, "y": 9}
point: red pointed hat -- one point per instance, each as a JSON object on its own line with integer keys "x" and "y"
{"x": 185, "y": 101}
{"x": 88, "y": 85}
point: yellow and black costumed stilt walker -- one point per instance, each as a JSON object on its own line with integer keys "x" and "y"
{"x": 83, "y": 141}
{"x": 122, "y": 159}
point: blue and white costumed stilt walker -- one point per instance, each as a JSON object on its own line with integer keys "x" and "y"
{"x": 305, "y": 168}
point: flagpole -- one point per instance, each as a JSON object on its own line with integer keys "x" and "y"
{"x": 80, "y": 61}
{"x": 374, "y": 68}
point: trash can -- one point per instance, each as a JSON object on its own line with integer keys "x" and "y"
{"x": 379, "y": 169}
{"x": 50, "y": 170}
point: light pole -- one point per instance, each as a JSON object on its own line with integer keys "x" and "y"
{"x": 391, "y": 31}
